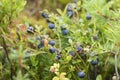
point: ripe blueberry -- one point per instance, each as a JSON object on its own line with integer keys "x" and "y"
{"x": 44, "y": 15}
{"x": 40, "y": 46}
{"x": 52, "y": 43}
{"x": 79, "y": 48}
{"x": 88, "y": 17}
{"x": 58, "y": 56}
{"x": 70, "y": 14}
{"x": 94, "y": 62}
{"x": 69, "y": 8}
{"x": 81, "y": 74}
{"x": 52, "y": 50}
{"x": 30, "y": 29}
{"x": 65, "y": 32}
{"x": 51, "y": 25}
{"x": 72, "y": 53}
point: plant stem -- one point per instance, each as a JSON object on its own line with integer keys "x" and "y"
{"x": 59, "y": 41}
{"x": 4, "y": 45}
{"x": 74, "y": 76}
{"x": 57, "y": 32}
{"x": 81, "y": 60}
{"x": 116, "y": 69}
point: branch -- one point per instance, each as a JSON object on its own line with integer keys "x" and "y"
{"x": 116, "y": 68}
{"x": 6, "y": 54}
{"x": 5, "y": 48}
{"x": 107, "y": 17}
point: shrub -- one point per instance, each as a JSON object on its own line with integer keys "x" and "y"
{"x": 91, "y": 33}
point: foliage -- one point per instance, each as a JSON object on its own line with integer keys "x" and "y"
{"x": 9, "y": 10}
{"x": 86, "y": 36}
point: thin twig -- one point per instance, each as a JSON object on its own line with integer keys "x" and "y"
{"x": 7, "y": 56}
{"x": 116, "y": 68}
{"x": 5, "y": 48}
{"x": 107, "y": 17}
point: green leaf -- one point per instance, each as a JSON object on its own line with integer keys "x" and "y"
{"x": 55, "y": 78}
{"x": 99, "y": 77}
{"x": 70, "y": 41}
{"x": 59, "y": 11}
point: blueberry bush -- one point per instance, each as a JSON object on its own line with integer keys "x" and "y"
{"x": 81, "y": 42}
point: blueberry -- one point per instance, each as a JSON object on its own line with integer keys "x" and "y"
{"x": 40, "y": 46}
{"x": 88, "y": 17}
{"x": 44, "y": 15}
{"x": 58, "y": 56}
{"x": 52, "y": 50}
{"x": 51, "y": 26}
{"x": 79, "y": 48}
{"x": 69, "y": 8}
{"x": 94, "y": 62}
{"x": 81, "y": 74}
{"x": 70, "y": 14}
{"x": 52, "y": 43}
{"x": 95, "y": 37}
{"x": 30, "y": 29}
{"x": 72, "y": 53}
{"x": 65, "y": 32}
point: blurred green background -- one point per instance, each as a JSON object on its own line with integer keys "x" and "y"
{"x": 32, "y": 11}
{"x": 33, "y": 7}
